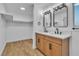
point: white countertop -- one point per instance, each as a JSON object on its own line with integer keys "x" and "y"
{"x": 62, "y": 36}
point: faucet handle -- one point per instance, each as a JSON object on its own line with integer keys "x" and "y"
{"x": 60, "y": 33}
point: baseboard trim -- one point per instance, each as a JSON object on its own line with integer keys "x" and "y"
{"x": 2, "y": 49}
{"x": 17, "y": 40}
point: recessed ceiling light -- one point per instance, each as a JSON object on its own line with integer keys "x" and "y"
{"x": 22, "y": 8}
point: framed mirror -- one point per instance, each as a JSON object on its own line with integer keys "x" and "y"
{"x": 60, "y": 16}
{"x": 47, "y": 19}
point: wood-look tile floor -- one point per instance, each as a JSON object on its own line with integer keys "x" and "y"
{"x": 21, "y": 48}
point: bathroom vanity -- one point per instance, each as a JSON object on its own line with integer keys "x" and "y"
{"x": 52, "y": 44}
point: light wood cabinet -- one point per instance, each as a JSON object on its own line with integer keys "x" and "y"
{"x": 52, "y": 46}
{"x": 46, "y": 47}
{"x": 39, "y": 42}
{"x": 55, "y": 50}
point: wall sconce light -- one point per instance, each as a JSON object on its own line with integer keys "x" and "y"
{"x": 59, "y": 7}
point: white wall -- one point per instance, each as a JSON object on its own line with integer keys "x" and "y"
{"x": 74, "y": 41}
{"x": 2, "y": 35}
{"x": 19, "y": 31}
{"x": 2, "y": 9}
{"x": 2, "y": 30}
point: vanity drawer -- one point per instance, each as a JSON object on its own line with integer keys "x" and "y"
{"x": 39, "y": 35}
{"x": 55, "y": 40}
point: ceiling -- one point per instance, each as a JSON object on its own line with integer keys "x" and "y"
{"x": 14, "y": 9}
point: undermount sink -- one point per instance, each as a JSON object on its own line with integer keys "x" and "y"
{"x": 62, "y": 36}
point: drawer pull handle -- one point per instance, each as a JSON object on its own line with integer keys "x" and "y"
{"x": 50, "y": 46}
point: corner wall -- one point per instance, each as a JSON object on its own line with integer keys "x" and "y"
{"x": 2, "y": 30}
{"x": 19, "y": 31}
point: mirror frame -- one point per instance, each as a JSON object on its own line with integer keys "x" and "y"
{"x": 54, "y": 16}
{"x": 45, "y": 13}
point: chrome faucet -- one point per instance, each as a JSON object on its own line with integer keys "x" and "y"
{"x": 57, "y": 31}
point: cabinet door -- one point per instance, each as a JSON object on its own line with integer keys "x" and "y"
{"x": 46, "y": 47}
{"x": 51, "y": 49}
{"x": 55, "y": 49}
{"x": 39, "y": 43}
